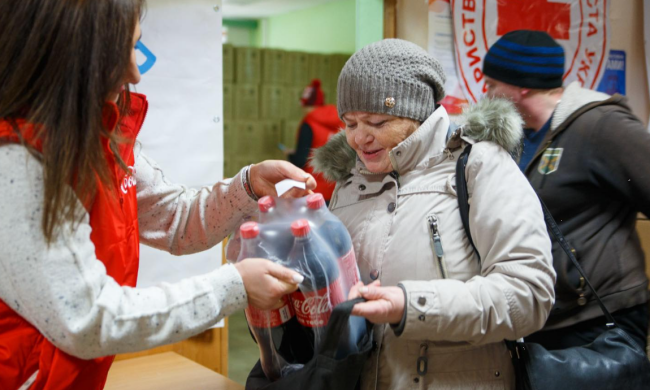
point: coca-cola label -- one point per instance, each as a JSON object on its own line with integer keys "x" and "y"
{"x": 348, "y": 266}
{"x": 258, "y": 318}
{"x": 313, "y": 309}
{"x": 128, "y": 181}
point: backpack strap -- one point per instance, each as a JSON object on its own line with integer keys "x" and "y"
{"x": 463, "y": 195}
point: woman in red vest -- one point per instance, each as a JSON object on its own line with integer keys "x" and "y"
{"x": 77, "y": 196}
{"x": 321, "y": 121}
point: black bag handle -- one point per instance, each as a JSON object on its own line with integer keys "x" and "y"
{"x": 463, "y": 206}
{"x": 336, "y": 326}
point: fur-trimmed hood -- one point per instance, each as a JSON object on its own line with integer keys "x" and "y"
{"x": 494, "y": 120}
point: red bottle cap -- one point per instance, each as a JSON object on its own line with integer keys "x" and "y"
{"x": 300, "y": 228}
{"x": 265, "y": 204}
{"x": 315, "y": 201}
{"x": 249, "y": 230}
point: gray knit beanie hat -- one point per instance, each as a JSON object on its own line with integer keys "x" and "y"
{"x": 393, "y": 77}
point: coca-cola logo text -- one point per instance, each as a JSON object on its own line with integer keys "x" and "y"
{"x": 313, "y": 306}
{"x": 128, "y": 181}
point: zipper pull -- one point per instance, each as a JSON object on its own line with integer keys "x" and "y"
{"x": 437, "y": 245}
{"x": 435, "y": 234}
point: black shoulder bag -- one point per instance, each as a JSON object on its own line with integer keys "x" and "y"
{"x": 612, "y": 361}
{"x": 323, "y": 371}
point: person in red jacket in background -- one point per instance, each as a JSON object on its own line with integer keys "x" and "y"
{"x": 321, "y": 121}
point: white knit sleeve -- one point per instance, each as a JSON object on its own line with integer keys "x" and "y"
{"x": 182, "y": 220}
{"x": 63, "y": 290}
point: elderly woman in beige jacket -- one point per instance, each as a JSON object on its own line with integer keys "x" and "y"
{"x": 394, "y": 165}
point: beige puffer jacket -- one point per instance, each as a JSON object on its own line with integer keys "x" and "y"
{"x": 406, "y": 229}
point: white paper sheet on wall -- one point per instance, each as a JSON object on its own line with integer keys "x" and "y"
{"x": 183, "y": 131}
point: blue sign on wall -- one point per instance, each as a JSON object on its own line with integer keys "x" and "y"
{"x": 613, "y": 80}
{"x": 150, "y": 58}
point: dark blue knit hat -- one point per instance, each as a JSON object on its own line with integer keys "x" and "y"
{"x": 527, "y": 59}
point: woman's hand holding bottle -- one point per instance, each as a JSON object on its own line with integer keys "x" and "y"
{"x": 267, "y": 282}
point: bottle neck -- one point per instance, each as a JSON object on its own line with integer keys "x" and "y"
{"x": 266, "y": 216}
{"x": 249, "y": 248}
{"x": 303, "y": 240}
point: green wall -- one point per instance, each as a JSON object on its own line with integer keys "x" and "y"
{"x": 369, "y": 22}
{"x": 244, "y": 27}
{"x": 326, "y": 28}
{"x": 341, "y": 26}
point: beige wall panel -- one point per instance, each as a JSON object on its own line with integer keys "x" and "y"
{"x": 412, "y": 22}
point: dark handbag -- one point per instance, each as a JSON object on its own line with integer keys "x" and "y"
{"x": 612, "y": 361}
{"x": 323, "y": 371}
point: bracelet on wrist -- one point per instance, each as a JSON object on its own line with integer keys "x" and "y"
{"x": 246, "y": 182}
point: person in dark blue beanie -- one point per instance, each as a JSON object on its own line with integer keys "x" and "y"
{"x": 586, "y": 155}
{"x": 526, "y": 67}
{"x": 529, "y": 59}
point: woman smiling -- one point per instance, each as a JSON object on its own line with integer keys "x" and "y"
{"x": 448, "y": 311}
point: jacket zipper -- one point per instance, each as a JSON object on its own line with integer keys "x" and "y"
{"x": 437, "y": 245}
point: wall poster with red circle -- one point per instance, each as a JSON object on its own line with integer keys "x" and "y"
{"x": 581, "y": 27}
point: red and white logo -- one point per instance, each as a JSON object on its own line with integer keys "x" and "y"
{"x": 579, "y": 26}
{"x": 262, "y": 319}
{"x": 128, "y": 181}
{"x": 313, "y": 309}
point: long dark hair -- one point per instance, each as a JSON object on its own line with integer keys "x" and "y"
{"x": 59, "y": 61}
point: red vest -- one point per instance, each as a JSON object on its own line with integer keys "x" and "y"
{"x": 324, "y": 122}
{"x": 114, "y": 223}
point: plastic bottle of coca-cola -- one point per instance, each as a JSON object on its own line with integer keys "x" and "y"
{"x": 271, "y": 328}
{"x": 275, "y": 231}
{"x": 233, "y": 247}
{"x": 322, "y": 288}
{"x": 334, "y": 233}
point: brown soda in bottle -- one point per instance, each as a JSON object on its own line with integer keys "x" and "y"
{"x": 271, "y": 328}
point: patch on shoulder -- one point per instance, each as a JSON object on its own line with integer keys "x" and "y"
{"x": 550, "y": 161}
